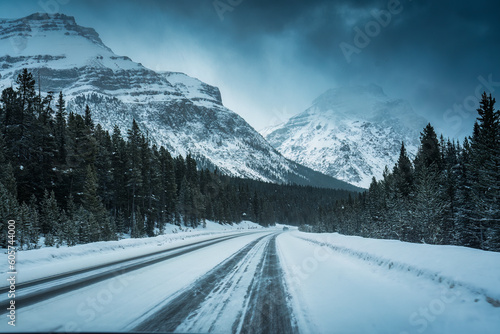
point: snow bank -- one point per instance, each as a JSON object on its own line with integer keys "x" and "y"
{"x": 343, "y": 284}
{"x": 473, "y": 269}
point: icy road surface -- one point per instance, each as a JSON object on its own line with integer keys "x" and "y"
{"x": 270, "y": 281}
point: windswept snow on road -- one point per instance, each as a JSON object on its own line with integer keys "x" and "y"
{"x": 264, "y": 281}
{"x": 244, "y": 294}
{"x": 48, "y": 261}
{"x": 118, "y": 301}
{"x": 346, "y": 284}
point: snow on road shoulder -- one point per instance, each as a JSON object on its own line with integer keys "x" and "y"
{"x": 48, "y": 261}
{"x": 474, "y": 269}
{"x": 350, "y": 284}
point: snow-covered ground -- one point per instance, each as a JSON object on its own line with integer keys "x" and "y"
{"x": 48, "y": 261}
{"x": 343, "y": 284}
{"x": 324, "y": 283}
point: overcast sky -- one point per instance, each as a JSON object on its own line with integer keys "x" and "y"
{"x": 271, "y": 59}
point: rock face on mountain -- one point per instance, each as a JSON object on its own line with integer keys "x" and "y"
{"x": 349, "y": 133}
{"x": 177, "y": 111}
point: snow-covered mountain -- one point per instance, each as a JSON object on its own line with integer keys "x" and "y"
{"x": 177, "y": 111}
{"x": 350, "y": 133}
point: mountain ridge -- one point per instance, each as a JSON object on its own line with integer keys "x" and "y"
{"x": 350, "y": 133}
{"x": 179, "y": 112}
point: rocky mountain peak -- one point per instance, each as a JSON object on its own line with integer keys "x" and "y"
{"x": 18, "y": 31}
{"x": 179, "y": 112}
{"x": 350, "y": 133}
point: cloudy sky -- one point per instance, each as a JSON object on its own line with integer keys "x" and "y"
{"x": 271, "y": 58}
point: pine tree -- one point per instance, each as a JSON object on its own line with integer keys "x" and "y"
{"x": 376, "y": 208}
{"x": 8, "y": 210}
{"x": 485, "y": 167}
{"x": 90, "y": 199}
{"x": 168, "y": 185}
{"x": 403, "y": 173}
{"x": 119, "y": 174}
{"x": 89, "y": 123}
{"x": 7, "y": 177}
{"x": 22, "y": 137}
{"x": 49, "y": 214}
{"x": 71, "y": 227}
{"x": 428, "y": 208}
{"x": 33, "y": 225}
{"x": 27, "y": 92}
{"x": 81, "y": 152}
{"x": 60, "y": 130}
{"x": 429, "y": 154}
{"x": 104, "y": 166}
{"x": 134, "y": 174}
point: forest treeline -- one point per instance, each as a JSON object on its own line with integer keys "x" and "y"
{"x": 448, "y": 194}
{"x": 66, "y": 179}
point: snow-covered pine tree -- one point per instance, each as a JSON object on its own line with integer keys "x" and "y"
{"x": 429, "y": 153}
{"x": 134, "y": 175}
{"x": 49, "y": 214}
{"x": 485, "y": 168}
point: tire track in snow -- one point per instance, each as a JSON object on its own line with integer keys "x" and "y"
{"x": 40, "y": 290}
{"x": 244, "y": 294}
{"x": 269, "y": 311}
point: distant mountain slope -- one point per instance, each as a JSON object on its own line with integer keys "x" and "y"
{"x": 349, "y": 133}
{"x": 177, "y": 111}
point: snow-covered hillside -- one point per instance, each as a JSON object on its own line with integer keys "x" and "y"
{"x": 179, "y": 112}
{"x": 350, "y": 133}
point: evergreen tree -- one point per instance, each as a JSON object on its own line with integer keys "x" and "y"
{"x": 403, "y": 173}
{"x": 49, "y": 214}
{"x": 429, "y": 154}
{"x": 90, "y": 200}
{"x": 134, "y": 174}
{"x": 81, "y": 152}
{"x": 119, "y": 174}
{"x": 89, "y": 123}
{"x": 60, "y": 130}
{"x": 428, "y": 208}
{"x": 485, "y": 167}
{"x": 70, "y": 226}
{"x": 8, "y": 210}
{"x": 7, "y": 177}
{"x": 22, "y": 136}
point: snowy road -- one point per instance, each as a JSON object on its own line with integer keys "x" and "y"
{"x": 243, "y": 294}
{"x": 221, "y": 285}
{"x": 272, "y": 282}
{"x": 37, "y": 290}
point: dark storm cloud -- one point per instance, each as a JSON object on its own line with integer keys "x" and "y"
{"x": 281, "y": 54}
{"x": 431, "y": 52}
